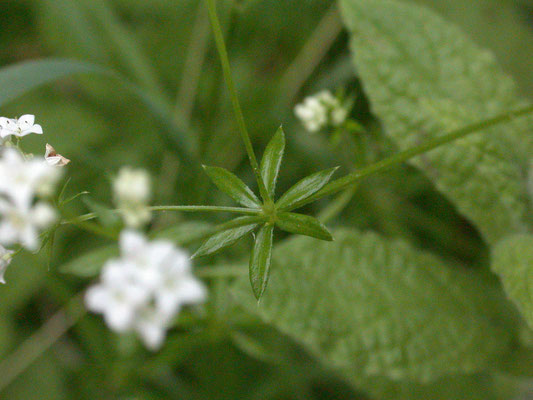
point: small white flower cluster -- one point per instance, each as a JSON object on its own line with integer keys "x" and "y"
{"x": 320, "y": 111}
{"x": 132, "y": 194}
{"x": 25, "y": 183}
{"x": 145, "y": 288}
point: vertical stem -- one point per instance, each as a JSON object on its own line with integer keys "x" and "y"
{"x": 224, "y": 59}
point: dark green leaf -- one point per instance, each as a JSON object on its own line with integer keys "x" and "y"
{"x": 305, "y": 188}
{"x": 223, "y": 239}
{"x": 260, "y": 260}
{"x": 303, "y": 225}
{"x": 232, "y": 186}
{"x": 271, "y": 161}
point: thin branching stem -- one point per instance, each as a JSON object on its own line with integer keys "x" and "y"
{"x": 383, "y": 165}
{"x": 226, "y": 69}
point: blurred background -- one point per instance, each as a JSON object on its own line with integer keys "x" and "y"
{"x": 280, "y": 52}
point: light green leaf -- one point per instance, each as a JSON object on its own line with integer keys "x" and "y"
{"x": 89, "y": 264}
{"x": 18, "y": 79}
{"x": 512, "y": 260}
{"x": 372, "y": 308}
{"x": 107, "y": 217}
{"x": 223, "y": 239}
{"x": 271, "y": 161}
{"x": 305, "y": 188}
{"x": 260, "y": 260}
{"x": 230, "y": 184}
{"x": 303, "y": 225}
{"x": 424, "y": 78}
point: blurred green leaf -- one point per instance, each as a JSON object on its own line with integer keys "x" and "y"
{"x": 224, "y": 239}
{"x": 18, "y": 79}
{"x": 105, "y": 215}
{"x": 260, "y": 260}
{"x": 303, "y": 225}
{"x": 372, "y": 307}
{"x": 90, "y": 263}
{"x": 512, "y": 260}
{"x": 424, "y": 77}
{"x": 271, "y": 161}
{"x": 305, "y": 188}
{"x": 230, "y": 184}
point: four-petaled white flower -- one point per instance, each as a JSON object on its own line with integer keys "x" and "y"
{"x": 54, "y": 159}
{"x": 131, "y": 190}
{"x": 323, "y": 109}
{"x": 19, "y": 127}
{"x": 145, "y": 288}
{"x": 5, "y": 260}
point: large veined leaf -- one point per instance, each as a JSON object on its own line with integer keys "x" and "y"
{"x": 512, "y": 260}
{"x": 375, "y": 308}
{"x": 424, "y": 78}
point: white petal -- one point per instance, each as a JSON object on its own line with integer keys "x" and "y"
{"x": 119, "y": 317}
{"x": 97, "y": 298}
{"x": 191, "y": 291}
{"x": 152, "y": 334}
{"x": 131, "y": 243}
{"x": 26, "y": 121}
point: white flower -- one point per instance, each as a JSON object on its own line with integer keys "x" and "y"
{"x": 19, "y": 127}
{"x": 21, "y": 180}
{"x": 132, "y": 193}
{"x": 132, "y": 186}
{"x": 22, "y": 223}
{"x": 323, "y": 109}
{"x": 312, "y": 113}
{"x": 5, "y": 260}
{"x": 54, "y": 159}
{"x": 118, "y": 296}
{"x": 145, "y": 288}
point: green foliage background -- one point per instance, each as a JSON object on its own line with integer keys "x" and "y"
{"x": 277, "y": 351}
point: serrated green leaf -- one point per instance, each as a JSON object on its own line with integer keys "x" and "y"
{"x": 372, "y": 307}
{"x": 512, "y": 260}
{"x": 303, "y": 225}
{"x": 223, "y": 239}
{"x": 305, "y": 188}
{"x": 230, "y": 184}
{"x": 260, "y": 260}
{"x": 424, "y": 78}
{"x": 271, "y": 162}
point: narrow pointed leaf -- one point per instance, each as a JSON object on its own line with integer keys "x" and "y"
{"x": 223, "y": 239}
{"x": 303, "y": 225}
{"x": 261, "y": 259}
{"x": 271, "y": 161}
{"x": 305, "y": 188}
{"x": 231, "y": 185}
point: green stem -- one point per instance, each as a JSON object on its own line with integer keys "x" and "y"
{"x": 224, "y": 59}
{"x": 236, "y": 210}
{"x": 383, "y": 165}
